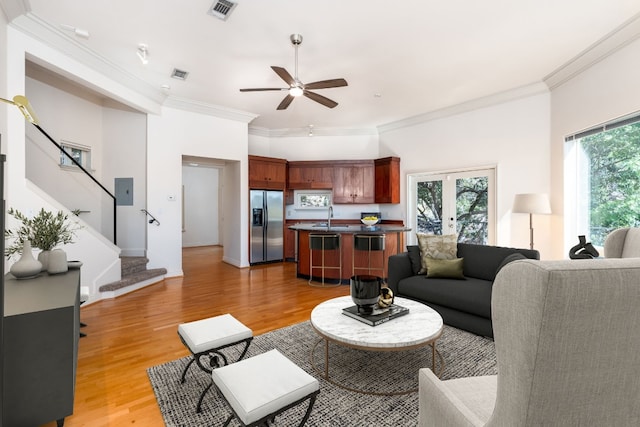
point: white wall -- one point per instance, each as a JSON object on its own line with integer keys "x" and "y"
{"x": 171, "y": 135}
{"x": 70, "y": 118}
{"x": 513, "y": 136}
{"x": 124, "y": 156}
{"x": 347, "y": 147}
{"x": 607, "y": 90}
{"x": 3, "y": 84}
{"x": 201, "y": 206}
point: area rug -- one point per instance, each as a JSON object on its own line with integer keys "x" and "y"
{"x": 465, "y": 354}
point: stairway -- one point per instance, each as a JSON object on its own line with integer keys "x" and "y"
{"x": 134, "y": 276}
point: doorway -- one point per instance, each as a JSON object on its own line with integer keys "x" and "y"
{"x": 455, "y": 202}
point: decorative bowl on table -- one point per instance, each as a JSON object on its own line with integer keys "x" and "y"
{"x": 370, "y": 220}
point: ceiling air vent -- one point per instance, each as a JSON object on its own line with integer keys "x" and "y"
{"x": 222, "y": 9}
{"x": 179, "y": 74}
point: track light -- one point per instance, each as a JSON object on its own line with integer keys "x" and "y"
{"x": 24, "y": 106}
{"x": 143, "y": 53}
{"x": 79, "y": 32}
{"x": 310, "y": 130}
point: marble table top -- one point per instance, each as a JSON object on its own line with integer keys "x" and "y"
{"x": 421, "y": 326}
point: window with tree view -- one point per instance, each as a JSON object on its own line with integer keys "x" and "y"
{"x": 457, "y": 202}
{"x": 608, "y": 179}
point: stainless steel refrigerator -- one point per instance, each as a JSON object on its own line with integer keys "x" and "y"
{"x": 267, "y": 221}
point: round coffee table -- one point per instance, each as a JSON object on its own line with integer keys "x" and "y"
{"x": 422, "y": 326}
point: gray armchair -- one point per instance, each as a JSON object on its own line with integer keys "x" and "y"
{"x": 622, "y": 243}
{"x": 567, "y": 336}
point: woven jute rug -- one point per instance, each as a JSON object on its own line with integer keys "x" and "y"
{"x": 465, "y": 354}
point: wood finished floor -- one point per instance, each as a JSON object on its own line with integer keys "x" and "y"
{"x": 128, "y": 334}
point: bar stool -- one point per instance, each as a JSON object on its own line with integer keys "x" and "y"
{"x": 369, "y": 243}
{"x": 324, "y": 242}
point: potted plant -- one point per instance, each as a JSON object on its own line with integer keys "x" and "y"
{"x": 44, "y": 231}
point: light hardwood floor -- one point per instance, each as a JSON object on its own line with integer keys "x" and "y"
{"x": 130, "y": 333}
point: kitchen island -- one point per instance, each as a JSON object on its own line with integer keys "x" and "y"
{"x": 347, "y": 255}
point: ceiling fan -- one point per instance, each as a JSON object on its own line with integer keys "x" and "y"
{"x": 296, "y": 87}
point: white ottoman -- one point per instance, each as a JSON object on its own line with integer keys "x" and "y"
{"x": 205, "y": 338}
{"x": 260, "y": 387}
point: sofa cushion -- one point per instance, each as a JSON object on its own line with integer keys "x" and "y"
{"x": 437, "y": 246}
{"x": 482, "y": 261}
{"x": 414, "y": 257}
{"x": 449, "y": 268}
{"x": 471, "y": 295}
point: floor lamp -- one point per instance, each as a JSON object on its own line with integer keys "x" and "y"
{"x": 531, "y": 203}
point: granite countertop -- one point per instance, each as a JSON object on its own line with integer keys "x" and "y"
{"x": 354, "y": 228}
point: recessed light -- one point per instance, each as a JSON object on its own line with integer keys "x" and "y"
{"x": 377, "y": 95}
{"x": 165, "y": 87}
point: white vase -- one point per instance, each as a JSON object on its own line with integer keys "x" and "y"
{"x": 43, "y": 257}
{"x": 27, "y": 266}
{"x": 57, "y": 262}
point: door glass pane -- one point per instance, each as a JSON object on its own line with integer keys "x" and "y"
{"x": 429, "y": 207}
{"x": 472, "y": 221}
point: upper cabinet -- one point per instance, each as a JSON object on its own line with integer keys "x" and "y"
{"x": 354, "y": 182}
{"x": 267, "y": 173}
{"x": 310, "y": 175}
{"x": 387, "y": 180}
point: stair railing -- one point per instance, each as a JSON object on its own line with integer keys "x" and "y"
{"x": 25, "y": 107}
{"x": 153, "y": 219}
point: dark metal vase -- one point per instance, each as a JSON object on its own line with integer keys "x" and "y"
{"x": 365, "y": 290}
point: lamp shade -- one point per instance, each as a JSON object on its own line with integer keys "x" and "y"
{"x": 537, "y": 203}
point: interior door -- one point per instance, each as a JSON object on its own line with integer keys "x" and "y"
{"x": 456, "y": 202}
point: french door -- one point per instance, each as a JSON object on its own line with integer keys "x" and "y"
{"x": 455, "y": 202}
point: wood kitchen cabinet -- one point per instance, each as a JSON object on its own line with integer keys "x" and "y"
{"x": 354, "y": 182}
{"x": 387, "y": 178}
{"x": 267, "y": 173}
{"x": 310, "y": 175}
{"x": 289, "y": 242}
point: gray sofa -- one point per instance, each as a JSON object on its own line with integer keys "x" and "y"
{"x": 464, "y": 304}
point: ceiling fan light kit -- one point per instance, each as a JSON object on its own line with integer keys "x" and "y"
{"x": 296, "y": 87}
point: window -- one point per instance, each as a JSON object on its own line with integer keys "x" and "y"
{"x": 603, "y": 177}
{"x": 454, "y": 202}
{"x": 312, "y": 199}
{"x": 80, "y": 153}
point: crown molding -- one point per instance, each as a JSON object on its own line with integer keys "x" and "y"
{"x": 474, "y": 104}
{"x": 209, "y": 109}
{"x": 317, "y": 131}
{"x": 49, "y": 35}
{"x": 620, "y": 37}
{"x": 14, "y": 8}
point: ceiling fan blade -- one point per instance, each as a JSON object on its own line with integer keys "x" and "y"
{"x": 319, "y": 98}
{"x": 285, "y": 102}
{"x": 284, "y": 75}
{"x": 325, "y": 84}
{"x": 259, "y": 89}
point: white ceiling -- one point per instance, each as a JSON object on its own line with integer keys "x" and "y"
{"x": 400, "y": 59}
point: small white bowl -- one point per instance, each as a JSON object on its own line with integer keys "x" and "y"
{"x": 369, "y": 222}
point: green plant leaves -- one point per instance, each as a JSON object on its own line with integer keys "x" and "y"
{"x": 45, "y": 231}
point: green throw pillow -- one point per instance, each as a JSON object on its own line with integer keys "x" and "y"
{"x": 445, "y": 268}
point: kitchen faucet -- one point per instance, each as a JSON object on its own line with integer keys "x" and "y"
{"x": 330, "y": 216}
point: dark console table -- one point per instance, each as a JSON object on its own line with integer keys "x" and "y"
{"x": 41, "y": 330}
